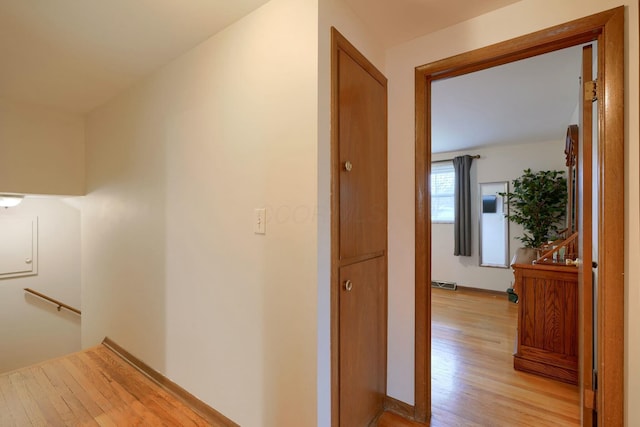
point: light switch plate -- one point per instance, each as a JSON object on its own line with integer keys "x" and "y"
{"x": 260, "y": 221}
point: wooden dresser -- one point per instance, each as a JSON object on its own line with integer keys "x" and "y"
{"x": 547, "y": 339}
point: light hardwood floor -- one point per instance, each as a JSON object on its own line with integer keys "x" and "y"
{"x": 90, "y": 388}
{"x": 473, "y": 380}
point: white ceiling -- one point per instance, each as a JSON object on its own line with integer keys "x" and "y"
{"x": 76, "y": 54}
{"x": 532, "y": 100}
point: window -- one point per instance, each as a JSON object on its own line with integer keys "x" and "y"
{"x": 442, "y": 189}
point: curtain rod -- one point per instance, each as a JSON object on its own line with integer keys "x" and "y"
{"x": 477, "y": 156}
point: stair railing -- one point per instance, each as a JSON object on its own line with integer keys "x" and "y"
{"x": 60, "y": 305}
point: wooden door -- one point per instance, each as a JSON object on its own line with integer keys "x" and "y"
{"x": 359, "y": 237}
{"x": 585, "y": 229}
{"x": 362, "y": 341}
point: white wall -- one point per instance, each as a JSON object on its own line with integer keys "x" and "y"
{"x": 32, "y": 330}
{"x": 503, "y": 163}
{"x": 332, "y": 13}
{"x": 517, "y": 19}
{"x": 41, "y": 150}
{"x": 172, "y": 269}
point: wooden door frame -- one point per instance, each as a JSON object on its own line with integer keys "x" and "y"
{"x": 608, "y": 29}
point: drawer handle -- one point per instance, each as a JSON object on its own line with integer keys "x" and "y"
{"x": 348, "y": 285}
{"x": 348, "y": 166}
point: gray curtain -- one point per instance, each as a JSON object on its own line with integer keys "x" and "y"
{"x": 462, "y": 205}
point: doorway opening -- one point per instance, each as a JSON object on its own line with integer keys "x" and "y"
{"x": 609, "y": 330}
{"x": 509, "y": 118}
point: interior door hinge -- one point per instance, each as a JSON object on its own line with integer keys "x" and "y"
{"x": 590, "y": 399}
{"x": 591, "y": 90}
{"x": 590, "y": 395}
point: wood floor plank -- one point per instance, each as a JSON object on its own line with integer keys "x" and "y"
{"x": 30, "y": 407}
{"x": 112, "y": 404}
{"x": 76, "y": 408}
{"x": 15, "y": 410}
{"x": 106, "y": 413}
{"x": 5, "y": 415}
{"x": 133, "y": 388}
{"x": 76, "y": 389}
{"x": 63, "y": 409}
{"x": 145, "y": 390}
{"x": 41, "y": 399}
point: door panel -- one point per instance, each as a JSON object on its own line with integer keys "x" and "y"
{"x": 363, "y": 185}
{"x": 362, "y": 341}
{"x": 18, "y": 246}
{"x": 585, "y": 224}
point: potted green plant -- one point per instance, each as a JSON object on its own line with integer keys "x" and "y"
{"x": 538, "y": 202}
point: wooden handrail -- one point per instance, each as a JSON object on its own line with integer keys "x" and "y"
{"x": 569, "y": 248}
{"x": 54, "y": 301}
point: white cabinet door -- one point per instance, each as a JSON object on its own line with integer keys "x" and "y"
{"x": 18, "y": 246}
